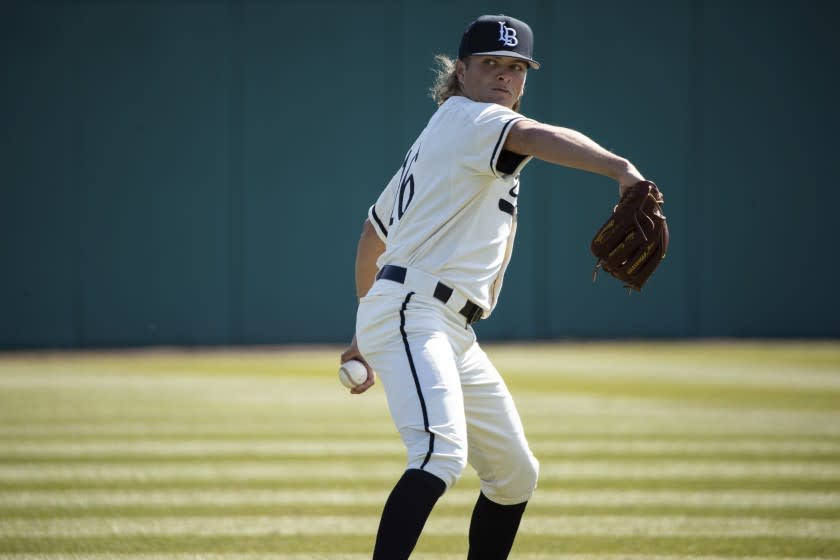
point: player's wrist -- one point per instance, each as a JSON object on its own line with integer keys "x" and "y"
{"x": 628, "y": 174}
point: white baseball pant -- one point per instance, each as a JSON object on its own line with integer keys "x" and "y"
{"x": 449, "y": 403}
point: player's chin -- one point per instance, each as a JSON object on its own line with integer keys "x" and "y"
{"x": 501, "y": 97}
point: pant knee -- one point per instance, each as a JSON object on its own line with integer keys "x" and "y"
{"x": 448, "y": 466}
{"x": 516, "y": 484}
{"x": 441, "y": 451}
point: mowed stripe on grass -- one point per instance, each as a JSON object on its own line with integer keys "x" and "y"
{"x": 244, "y": 525}
{"x": 231, "y": 448}
{"x": 160, "y": 455}
{"x": 211, "y": 498}
{"x": 249, "y": 470}
{"x": 340, "y": 556}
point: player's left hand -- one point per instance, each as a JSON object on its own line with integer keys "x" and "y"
{"x": 633, "y": 241}
{"x": 352, "y": 353}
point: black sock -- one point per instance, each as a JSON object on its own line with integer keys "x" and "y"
{"x": 493, "y": 528}
{"x": 405, "y": 513}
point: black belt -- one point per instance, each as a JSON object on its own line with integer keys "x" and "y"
{"x": 442, "y": 293}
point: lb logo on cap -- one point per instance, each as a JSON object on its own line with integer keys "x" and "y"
{"x": 507, "y": 35}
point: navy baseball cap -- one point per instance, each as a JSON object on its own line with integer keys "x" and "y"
{"x": 500, "y": 36}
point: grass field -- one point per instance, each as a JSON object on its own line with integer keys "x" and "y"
{"x": 668, "y": 451}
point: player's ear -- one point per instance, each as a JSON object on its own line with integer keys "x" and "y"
{"x": 460, "y": 68}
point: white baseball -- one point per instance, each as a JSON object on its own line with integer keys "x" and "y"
{"x": 352, "y": 373}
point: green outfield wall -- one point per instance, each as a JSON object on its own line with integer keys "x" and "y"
{"x": 197, "y": 172}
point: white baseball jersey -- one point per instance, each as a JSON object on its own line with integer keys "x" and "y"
{"x": 450, "y": 210}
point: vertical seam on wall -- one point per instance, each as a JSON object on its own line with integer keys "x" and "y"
{"x": 236, "y": 197}
{"x": 70, "y": 73}
{"x": 542, "y": 296}
{"x": 693, "y": 191}
{"x": 394, "y": 49}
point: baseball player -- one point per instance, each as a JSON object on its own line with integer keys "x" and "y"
{"x": 430, "y": 263}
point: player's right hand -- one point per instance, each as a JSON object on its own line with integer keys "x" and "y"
{"x": 352, "y": 353}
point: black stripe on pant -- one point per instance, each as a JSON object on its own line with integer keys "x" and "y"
{"x": 416, "y": 381}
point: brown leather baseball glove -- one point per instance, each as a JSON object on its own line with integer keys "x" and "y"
{"x": 633, "y": 241}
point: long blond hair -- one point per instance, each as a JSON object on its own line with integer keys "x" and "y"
{"x": 446, "y": 82}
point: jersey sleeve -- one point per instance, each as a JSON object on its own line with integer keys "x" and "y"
{"x": 484, "y": 137}
{"x": 380, "y": 213}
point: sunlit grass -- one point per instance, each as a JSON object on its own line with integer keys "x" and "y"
{"x": 673, "y": 450}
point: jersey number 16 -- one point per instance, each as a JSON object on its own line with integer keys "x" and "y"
{"x": 406, "y": 192}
